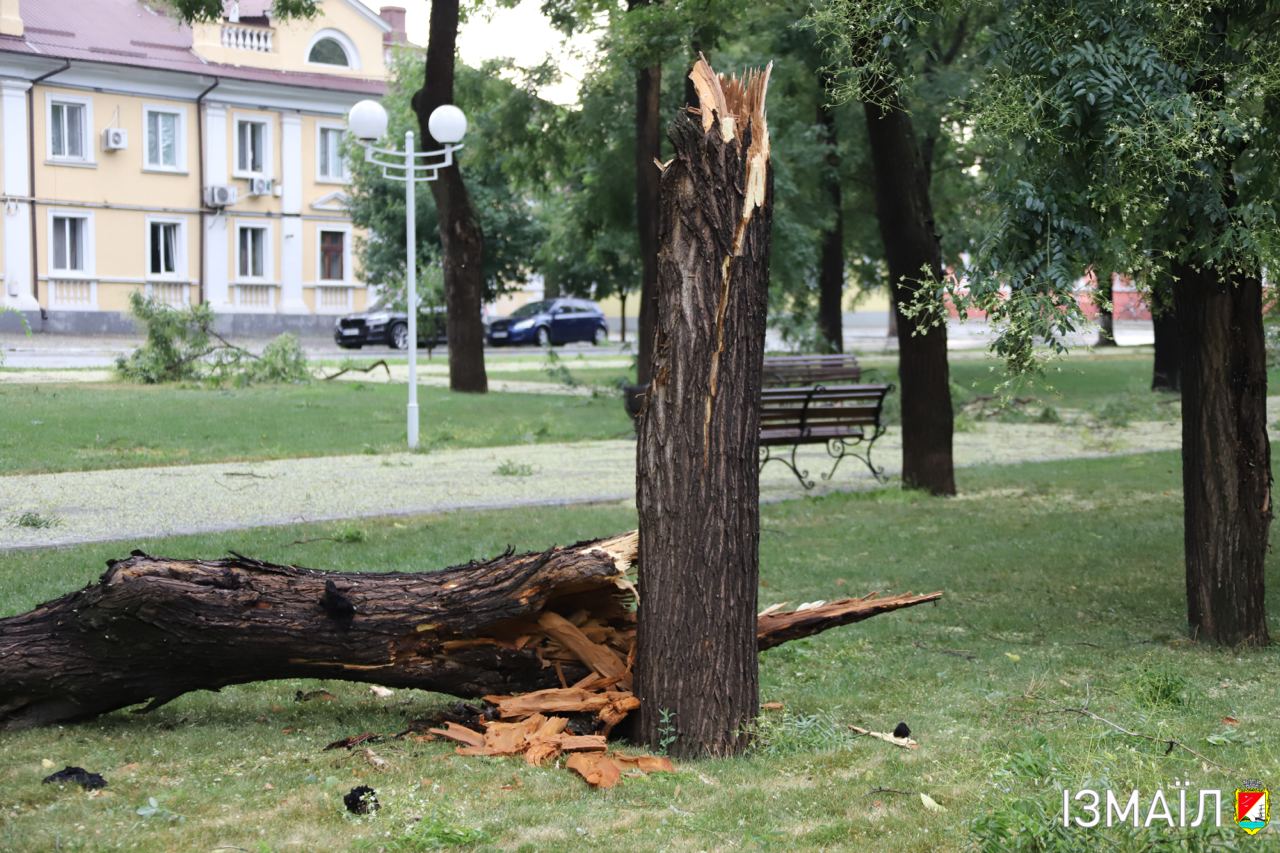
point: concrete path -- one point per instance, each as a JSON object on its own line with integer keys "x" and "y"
{"x": 128, "y": 504}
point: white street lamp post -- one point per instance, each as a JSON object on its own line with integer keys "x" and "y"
{"x": 367, "y": 121}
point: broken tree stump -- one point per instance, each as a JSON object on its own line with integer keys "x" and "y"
{"x": 153, "y": 628}
{"x": 697, "y": 470}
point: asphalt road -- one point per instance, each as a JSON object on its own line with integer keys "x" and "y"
{"x": 864, "y": 331}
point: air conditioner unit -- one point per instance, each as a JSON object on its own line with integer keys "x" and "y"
{"x": 260, "y": 186}
{"x": 219, "y": 195}
{"x": 115, "y": 139}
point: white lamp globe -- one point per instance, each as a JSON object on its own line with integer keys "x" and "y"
{"x": 447, "y": 124}
{"x": 367, "y": 121}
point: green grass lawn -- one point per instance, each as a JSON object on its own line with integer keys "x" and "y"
{"x": 1063, "y": 581}
{"x": 76, "y": 427}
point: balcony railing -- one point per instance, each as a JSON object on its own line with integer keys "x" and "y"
{"x": 244, "y": 37}
{"x": 73, "y": 294}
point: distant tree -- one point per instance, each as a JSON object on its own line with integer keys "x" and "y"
{"x": 505, "y": 120}
{"x": 899, "y": 58}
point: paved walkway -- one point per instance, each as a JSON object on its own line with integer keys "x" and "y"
{"x": 129, "y": 504}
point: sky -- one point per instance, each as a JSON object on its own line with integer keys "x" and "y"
{"x": 521, "y": 33}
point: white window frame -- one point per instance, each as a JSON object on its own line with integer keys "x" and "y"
{"x": 321, "y": 177}
{"x": 90, "y": 136}
{"x": 180, "y": 269}
{"x": 88, "y": 249}
{"x": 180, "y": 143}
{"x": 268, "y": 158}
{"x": 268, "y": 255}
{"x": 347, "y": 45}
{"x": 346, "y": 230}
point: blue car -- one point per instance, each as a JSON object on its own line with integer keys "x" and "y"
{"x": 551, "y": 321}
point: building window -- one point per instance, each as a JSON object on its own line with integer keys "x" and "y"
{"x": 68, "y": 130}
{"x": 253, "y": 252}
{"x": 333, "y": 166}
{"x": 163, "y": 139}
{"x": 333, "y": 255}
{"x": 251, "y": 147}
{"x": 329, "y": 51}
{"x": 164, "y": 249}
{"x": 70, "y": 244}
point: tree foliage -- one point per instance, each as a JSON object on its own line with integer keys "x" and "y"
{"x": 507, "y": 123}
{"x": 1126, "y": 136}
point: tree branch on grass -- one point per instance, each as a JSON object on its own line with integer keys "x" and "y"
{"x": 1170, "y": 744}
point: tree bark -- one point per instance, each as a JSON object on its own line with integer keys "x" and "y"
{"x": 914, "y": 256}
{"x": 831, "y": 268}
{"x": 154, "y": 628}
{"x": 697, "y": 482}
{"x": 1106, "y": 315}
{"x": 1226, "y": 456}
{"x": 461, "y": 237}
{"x": 1166, "y": 367}
{"x": 648, "y": 150}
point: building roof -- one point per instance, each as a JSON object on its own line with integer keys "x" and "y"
{"x": 131, "y": 33}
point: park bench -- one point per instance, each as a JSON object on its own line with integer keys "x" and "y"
{"x": 796, "y": 370}
{"x": 845, "y": 418}
{"x": 782, "y": 371}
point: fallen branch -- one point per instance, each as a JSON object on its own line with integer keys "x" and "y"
{"x": 904, "y": 742}
{"x": 351, "y": 368}
{"x": 1170, "y": 744}
{"x": 154, "y": 628}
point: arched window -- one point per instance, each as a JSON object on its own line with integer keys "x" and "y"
{"x": 328, "y": 51}
{"x": 333, "y": 48}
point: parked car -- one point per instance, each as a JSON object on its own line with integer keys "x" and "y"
{"x": 551, "y": 321}
{"x": 389, "y": 327}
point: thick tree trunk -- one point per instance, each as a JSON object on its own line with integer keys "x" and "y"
{"x": 1226, "y": 456}
{"x": 1166, "y": 367}
{"x": 831, "y": 268}
{"x": 914, "y": 255}
{"x": 154, "y": 628}
{"x": 461, "y": 237}
{"x": 648, "y": 150}
{"x": 697, "y": 482}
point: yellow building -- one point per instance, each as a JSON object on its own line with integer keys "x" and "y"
{"x": 196, "y": 163}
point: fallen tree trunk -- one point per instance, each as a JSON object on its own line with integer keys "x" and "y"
{"x": 154, "y": 628}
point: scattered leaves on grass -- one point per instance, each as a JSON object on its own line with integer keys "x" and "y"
{"x": 930, "y": 803}
{"x": 75, "y": 775}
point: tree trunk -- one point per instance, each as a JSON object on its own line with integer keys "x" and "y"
{"x": 914, "y": 255}
{"x": 1106, "y": 315}
{"x": 831, "y": 269}
{"x": 1226, "y": 456}
{"x": 697, "y": 482}
{"x": 461, "y": 237}
{"x": 648, "y": 149}
{"x": 155, "y": 628}
{"x": 1166, "y": 368}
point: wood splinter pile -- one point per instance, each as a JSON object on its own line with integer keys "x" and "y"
{"x": 535, "y": 724}
{"x": 543, "y": 725}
